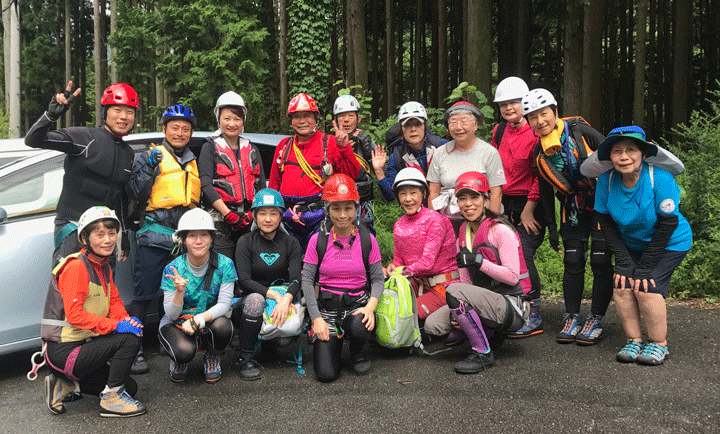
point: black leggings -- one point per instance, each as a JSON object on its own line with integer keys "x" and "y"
{"x": 182, "y": 347}
{"x": 105, "y": 360}
{"x": 326, "y": 354}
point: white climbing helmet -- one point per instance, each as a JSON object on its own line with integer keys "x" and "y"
{"x": 412, "y": 109}
{"x": 344, "y": 104}
{"x": 92, "y": 215}
{"x": 230, "y": 99}
{"x": 409, "y": 176}
{"x": 511, "y": 88}
{"x": 196, "y": 219}
{"x": 537, "y": 99}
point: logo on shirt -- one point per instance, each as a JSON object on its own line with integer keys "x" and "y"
{"x": 667, "y": 206}
{"x": 269, "y": 258}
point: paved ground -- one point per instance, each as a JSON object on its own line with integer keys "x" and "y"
{"x": 536, "y": 386}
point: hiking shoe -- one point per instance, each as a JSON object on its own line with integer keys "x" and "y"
{"x": 591, "y": 331}
{"x": 652, "y": 354}
{"x": 213, "y": 372}
{"x": 178, "y": 371}
{"x": 629, "y": 352}
{"x": 361, "y": 365}
{"x": 250, "y": 370}
{"x": 533, "y": 326}
{"x": 120, "y": 404}
{"x": 140, "y": 366}
{"x": 475, "y": 362}
{"x": 56, "y": 390}
{"x": 571, "y": 327}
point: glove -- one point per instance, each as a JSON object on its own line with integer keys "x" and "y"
{"x": 465, "y": 258}
{"x": 238, "y": 221}
{"x": 554, "y": 239}
{"x": 156, "y": 157}
{"x": 232, "y": 218}
{"x": 55, "y": 110}
{"x": 126, "y": 327}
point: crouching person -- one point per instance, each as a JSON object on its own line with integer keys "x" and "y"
{"x": 346, "y": 259}
{"x": 91, "y": 340}
{"x": 488, "y": 304}
{"x": 197, "y": 288}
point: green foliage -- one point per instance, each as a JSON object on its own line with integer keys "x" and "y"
{"x": 699, "y": 274}
{"x": 4, "y": 124}
{"x": 309, "y": 47}
{"x": 469, "y": 92}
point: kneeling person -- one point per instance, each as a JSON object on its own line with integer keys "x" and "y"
{"x": 91, "y": 340}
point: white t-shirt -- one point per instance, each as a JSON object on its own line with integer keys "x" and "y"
{"x": 449, "y": 163}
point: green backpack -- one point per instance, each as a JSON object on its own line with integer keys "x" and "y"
{"x": 396, "y": 320}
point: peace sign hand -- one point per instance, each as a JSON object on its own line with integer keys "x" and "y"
{"x": 341, "y": 136}
{"x": 178, "y": 280}
{"x": 61, "y": 101}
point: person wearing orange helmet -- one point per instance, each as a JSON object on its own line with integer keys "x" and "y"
{"x": 94, "y": 175}
{"x": 488, "y": 303}
{"x": 304, "y": 161}
{"x": 345, "y": 261}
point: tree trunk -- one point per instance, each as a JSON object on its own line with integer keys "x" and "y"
{"x": 443, "y": 71}
{"x": 14, "y": 108}
{"x": 114, "y": 78}
{"x": 572, "y": 55}
{"x": 524, "y": 39}
{"x": 356, "y": 22}
{"x": 282, "y": 56}
{"x": 681, "y": 65}
{"x": 643, "y": 7}
{"x": 6, "y": 49}
{"x": 592, "y": 67}
{"x": 389, "y": 61}
{"x": 374, "y": 76}
{"x": 350, "y": 78}
{"x": 97, "y": 60}
{"x": 478, "y": 45}
{"x": 417, "y": 62}
{"x": 68, "y": 57}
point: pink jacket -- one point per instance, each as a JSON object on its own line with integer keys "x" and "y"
{"x": 425, "y": 243}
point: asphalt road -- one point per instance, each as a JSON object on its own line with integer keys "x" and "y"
{"x": 536, "y": 386}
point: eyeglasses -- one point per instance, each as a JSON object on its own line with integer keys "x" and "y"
{"x": 461, "y": 122}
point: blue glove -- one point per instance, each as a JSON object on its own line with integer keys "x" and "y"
{"x": 465, "y": 258}
{"x": 156, "y": 157}
{"x": 127, "y": 327}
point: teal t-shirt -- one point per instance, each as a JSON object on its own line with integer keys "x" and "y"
{"x": 196, "y": 298}
{"x": 635, "y": 210}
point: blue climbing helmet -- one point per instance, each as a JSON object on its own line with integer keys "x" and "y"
{"x": 268, "y": 197}
{"x": 178, "y": 112}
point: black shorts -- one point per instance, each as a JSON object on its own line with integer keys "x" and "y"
{"x": 664, "y": 269}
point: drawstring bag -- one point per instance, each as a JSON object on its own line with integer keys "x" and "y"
{"x": 293, "y": 324}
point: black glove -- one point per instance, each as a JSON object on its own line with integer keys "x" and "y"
{"x": 465, "y": 258}
{"x": 554, "y": 239}
{"x": 55, "y": 110}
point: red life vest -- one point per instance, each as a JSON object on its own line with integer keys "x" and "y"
{"x": 236, "y": 182}
{"x": 490, "y": 253}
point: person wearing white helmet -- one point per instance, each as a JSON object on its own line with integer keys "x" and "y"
{"x": 515, "y": 141}
{"x": 409, "y": 143}
{"x": 465, "y": 153}
{"x": 346, "y": 111}
{"x": 424, "y": 243}
{"x": 91, "y": 339}
{"x": 231, "y": 172}
{"x": 198, "y": 287}
{"x": 565, "y": 144}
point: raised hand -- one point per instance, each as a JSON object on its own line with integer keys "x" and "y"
{"x": 61, "y": 102}
{"x": 341, "y": 136}
{"x": 178, "y": 280}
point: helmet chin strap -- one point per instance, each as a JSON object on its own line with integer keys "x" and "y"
{"x": 310, "y": 134}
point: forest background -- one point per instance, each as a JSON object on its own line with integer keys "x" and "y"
{"x": 652, "y": 63}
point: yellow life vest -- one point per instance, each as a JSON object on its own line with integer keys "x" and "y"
{"x": 175, "y": 186}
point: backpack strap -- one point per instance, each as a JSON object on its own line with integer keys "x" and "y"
{"x": 321, "y": 248}
{"x": 212, "y": 266}
{"x": 365, "y": 244}
{"x": 574, "y": 127}
{"x": 499, "y": 131}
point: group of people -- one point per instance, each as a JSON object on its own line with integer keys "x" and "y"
{"x": 223, "y": 254}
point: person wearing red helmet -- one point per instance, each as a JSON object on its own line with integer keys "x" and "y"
{"x": 350, "y": 277}
{"x": 304, "y": 161}
{"x": 488, "y": 303}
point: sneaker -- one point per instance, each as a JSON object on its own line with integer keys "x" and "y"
{"x": 475, "y": 362}
{"x": 120, "y": 404}
{"x": 591, "y": 331}
{"x": 140, "y": 366}
{"x": 653, "y": 354}
{"x": 533, "y": 326}
{"x": 56, "y": 390}
{"x": 213, "y": 372}
{"x": 361, "y": 365}
{"x": 178, "y": 371}
{"x": 250, "y": 370}
{"x": 629, "y": 352}
{"x": 571, "y": 327}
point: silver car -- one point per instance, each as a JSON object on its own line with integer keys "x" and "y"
{"x": 30, "y": 185}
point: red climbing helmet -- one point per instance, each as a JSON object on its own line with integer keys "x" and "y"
{"x": 302, "y": 102}
{"x": 120, "y": 94}
{"x": 474, "y": 181}
{"x": 340, "y": 187}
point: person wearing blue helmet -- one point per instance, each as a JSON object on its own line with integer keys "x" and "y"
{"x": 265, "y": 258}
{"x": 164, "y": 183}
